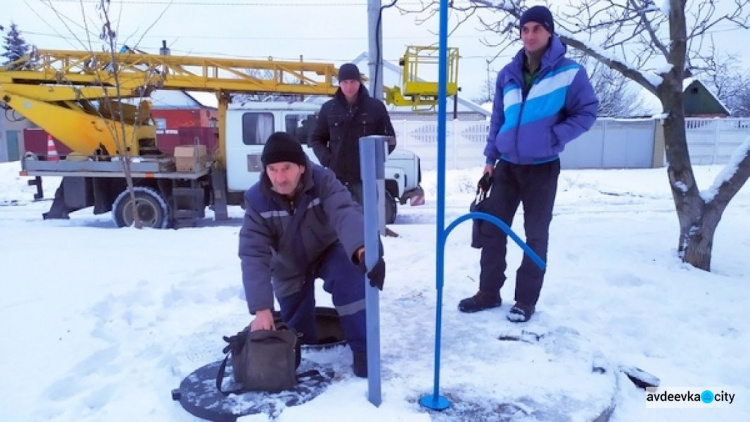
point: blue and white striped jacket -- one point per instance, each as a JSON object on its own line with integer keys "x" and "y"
{"x": 275, "y": 257}
{"x": 559, "y": 107}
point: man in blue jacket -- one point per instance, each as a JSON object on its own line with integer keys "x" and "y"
{"x": 543, "y": 100}
{"x": 301, "y": 224}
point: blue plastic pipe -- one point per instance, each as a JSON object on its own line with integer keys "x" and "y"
{"x": 435, "y": 401}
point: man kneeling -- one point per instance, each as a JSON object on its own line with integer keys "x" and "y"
{"x": 301, "y": 224}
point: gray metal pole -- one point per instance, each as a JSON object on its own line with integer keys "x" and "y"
{"x": 381, "y": 189}
{"x": 372, "y": 164}
{"x": 375, "y": 36}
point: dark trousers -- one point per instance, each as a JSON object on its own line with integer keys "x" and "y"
{"x": 346, "y": 284}
{"x": 355, "y": 188}
{"x": 535, "y": 186}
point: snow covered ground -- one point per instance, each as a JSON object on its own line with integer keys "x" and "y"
{"x": 100, "y": 324}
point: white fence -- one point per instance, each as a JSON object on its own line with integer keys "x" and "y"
{"x": 712, "y": 141}
{"x": 611, "y": 143}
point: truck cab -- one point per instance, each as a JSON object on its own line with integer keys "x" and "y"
{"x": 249, "y": 125}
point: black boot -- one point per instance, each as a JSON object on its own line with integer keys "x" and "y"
{"x": 359, "y": 365}
{"x": 480, "y": 301}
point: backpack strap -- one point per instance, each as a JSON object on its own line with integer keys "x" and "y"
{"x": 236, "y": 343}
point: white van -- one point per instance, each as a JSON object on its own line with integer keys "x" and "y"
{"x": 248, "y": 126}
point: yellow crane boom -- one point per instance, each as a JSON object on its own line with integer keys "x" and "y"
{"x": 72, "y": 94}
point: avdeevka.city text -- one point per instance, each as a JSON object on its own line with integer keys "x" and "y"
{"x": 689, "y": 396}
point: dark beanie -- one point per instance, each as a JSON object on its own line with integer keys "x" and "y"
{"x": 349, "y": 71}
{"x": 541, "y": 15}
{"x": 281, "y": 146}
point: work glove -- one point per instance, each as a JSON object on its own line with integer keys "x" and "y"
{"x": 377, "y": 274}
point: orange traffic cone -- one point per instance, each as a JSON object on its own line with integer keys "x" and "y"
{"x": 51, "y": 150}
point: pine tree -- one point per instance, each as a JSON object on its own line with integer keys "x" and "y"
{"x": 14, "y": 44}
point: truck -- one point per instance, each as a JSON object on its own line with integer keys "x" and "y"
{"x": 96, "y": 105}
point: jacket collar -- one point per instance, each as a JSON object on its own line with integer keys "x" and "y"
{"x": 552, "y": 56}
{"x": 361, "y": 94}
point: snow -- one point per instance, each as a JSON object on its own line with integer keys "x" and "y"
{"x": 665, "y": 7}
{"x": 731, "y": 168}
{"x": 100, "y": 324}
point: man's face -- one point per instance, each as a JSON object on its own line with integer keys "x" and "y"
{"x": 285, "y": 176}
{"x": 535, "y": 37}
{"x": 350, "y": 88}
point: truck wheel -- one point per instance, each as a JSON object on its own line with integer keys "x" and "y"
{"x": 150, "y": 206}
{"x": 391, "y": 209}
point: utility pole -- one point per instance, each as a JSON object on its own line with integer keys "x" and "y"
{"x": 375, "y": 52}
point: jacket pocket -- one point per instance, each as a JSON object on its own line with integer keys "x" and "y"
{"x": 369, "y": 125}
{"x": 335, "y": 127}
{"x": 536, "y": 142}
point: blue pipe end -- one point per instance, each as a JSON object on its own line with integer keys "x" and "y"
{"x": 435, "y": 402}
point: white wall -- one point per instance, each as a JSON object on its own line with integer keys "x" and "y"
{"x": 611, "y": 143}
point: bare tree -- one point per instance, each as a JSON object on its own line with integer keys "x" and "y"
{"x": 739, "y": 102}
{"x": 730, "y": 82}
{"x": 616, "y": 96}
{"x": 118, "y": 108}
{"x": 657, "y": 46}
{"x": 488, "y": 88}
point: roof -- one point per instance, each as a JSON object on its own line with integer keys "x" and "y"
{"x": 653, "y": 106}
{"x": 688, "y": 82}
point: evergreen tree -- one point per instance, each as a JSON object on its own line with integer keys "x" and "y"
{"x": 14, "y": 45}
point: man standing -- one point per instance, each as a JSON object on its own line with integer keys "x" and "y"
{"x": 301, "y": 224}
{"x": 543, "y": 100}
{"x": 348, "y": 116}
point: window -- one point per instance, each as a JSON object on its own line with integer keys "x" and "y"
{"x": 161, "y": 124}
{"x": 256, "y": 128}
{"x": 300, "y": 126}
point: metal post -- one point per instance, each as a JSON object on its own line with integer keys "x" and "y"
{"x": 375, "y": 52}
{"x": 372, "y": 168}
{"x": 381, "y": 188}
{"x": 435, "y": 400}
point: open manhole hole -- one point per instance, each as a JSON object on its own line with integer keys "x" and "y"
{"x": 328, "y": 326}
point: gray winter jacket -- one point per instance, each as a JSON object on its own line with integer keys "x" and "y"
{"x": 277, "y": 252}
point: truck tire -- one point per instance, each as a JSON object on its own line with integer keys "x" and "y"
{"x": 152, "y": 209}
{"x": 391, "y": 208}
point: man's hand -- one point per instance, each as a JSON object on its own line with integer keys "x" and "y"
{"x": 488, "y": 169}
{"x": 377, "y": 274}
{"x": 485, "y": 183}
{"x": 263, "y": 321}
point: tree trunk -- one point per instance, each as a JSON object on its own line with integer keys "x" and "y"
{"x": 700, "y": 237}
{"x": 687, "y": 199}
{"x": 696, "y": 233}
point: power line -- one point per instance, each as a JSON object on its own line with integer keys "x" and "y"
{"x": 258, "y": 38}
{"x": 217, "y": 3}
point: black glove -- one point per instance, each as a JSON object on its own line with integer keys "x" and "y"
{"x": 485, "y": 183}
{"x": 377, "y": 274}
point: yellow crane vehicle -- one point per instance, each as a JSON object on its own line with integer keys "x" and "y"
{"x": 97, "y": 105}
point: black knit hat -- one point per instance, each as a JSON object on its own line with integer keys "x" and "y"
{"x": 349, "y": 71}
{"x": 541, "y": 15}
{"x": 281, "y": 146}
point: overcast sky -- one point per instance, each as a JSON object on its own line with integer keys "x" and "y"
{"x": 328, "y": 31}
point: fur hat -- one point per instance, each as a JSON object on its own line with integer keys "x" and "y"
{"x": 541, "y": 15}
{"x": 281, "y": 146}
{"x": 349, "y": 71}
